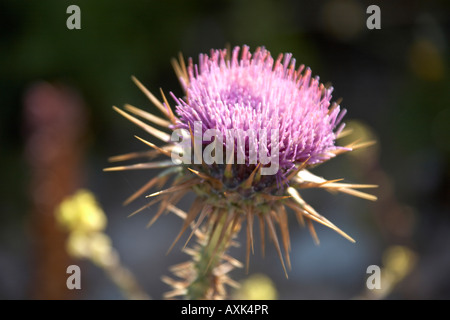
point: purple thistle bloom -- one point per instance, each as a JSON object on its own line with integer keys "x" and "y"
{"x": 256, "y": 92}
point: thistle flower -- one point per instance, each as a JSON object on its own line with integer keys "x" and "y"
{"x": 256, "y": 92}
{"x": 271, "y": 123}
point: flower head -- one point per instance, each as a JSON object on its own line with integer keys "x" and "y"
{"x": 256, "y": 93}
{"x": 258, "y": 109}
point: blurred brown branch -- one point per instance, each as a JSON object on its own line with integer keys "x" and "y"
{"x": 55, "y": 121}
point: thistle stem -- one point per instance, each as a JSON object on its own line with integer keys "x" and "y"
{"x": 209, "y": 257}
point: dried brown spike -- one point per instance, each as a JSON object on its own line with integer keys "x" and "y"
{"x": 162, "y": 151}
{"x": 305, "y": 179}
{"x": 344, "y": 133}
{"x": 354, "y": 146}
{"x": 234, "y": 262}
{"x": 298, "y": 213}
{"x": 320, "y": 219}
{"x": 162, "y": 208}
{"x": 145, "y": 206}
{"x": 297, "y": 170}
{"x": 180, "y": 213}
{"x": 171, "y": 116}
{"x": 153, "y": 131}
{"x": 180, "y": 68}
{"x": 177, "y": 196}
{"x": 274, "y": 237}
{"x": 143, "y": 166}
{"x": 359, "y": 194}
{"x": 313, "y": 231}
{"x": 205, "y": 211}
{"x": 250, "y": 218}
{"x": 235, "y": 227}
{"x": 363, "y": 145}
{"x": 261, "y": 231}
{"x": 213, "y": 222}
{"x": 193, "y": 212}
{"x": 270, "y": 197}
{"x": 248, "y": 182}
{"x": 177, "y": 68}
{"x": 183, "y": 65}
{"x": 284, "y": 229}
{"x": 220, "y": 241}
{"x": 144, "y": 188}
{"x": 331, "y": 184}
{"x": 146, "y": 115}
{"x": 150, "y": 96}
{"x": 182, "y": 186}
{"x": 217, "y": 184}
{"x": 134, "y": 155}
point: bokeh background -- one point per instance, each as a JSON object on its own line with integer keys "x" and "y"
{"x": 57, "y": 130}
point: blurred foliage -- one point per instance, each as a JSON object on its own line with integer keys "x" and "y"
{"x": 257, "y": 287}
{"x": 81, "y": 212}
{"x": 84, "y": 220}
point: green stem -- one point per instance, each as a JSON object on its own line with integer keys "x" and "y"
{"x": 206, "y": 262}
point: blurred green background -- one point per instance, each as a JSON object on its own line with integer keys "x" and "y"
{"x": 394, "y": 83}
